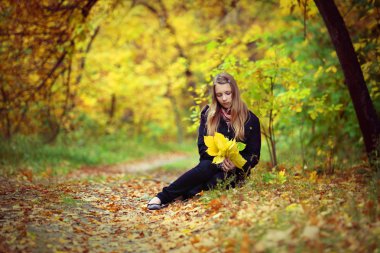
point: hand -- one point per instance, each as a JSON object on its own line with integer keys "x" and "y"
{"x": 227, "y": 165}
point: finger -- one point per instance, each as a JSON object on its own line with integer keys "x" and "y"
{"x": 232, "y": 165}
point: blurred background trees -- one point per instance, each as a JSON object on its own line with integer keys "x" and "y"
{"x": 144, "y": 68}
{"x": 38, "y": 42}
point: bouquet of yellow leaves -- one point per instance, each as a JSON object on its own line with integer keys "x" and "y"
{"x": 221, "y": 147}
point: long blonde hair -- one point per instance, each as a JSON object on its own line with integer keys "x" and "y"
{"x": 239, "y": 110}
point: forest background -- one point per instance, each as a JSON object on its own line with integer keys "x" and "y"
{"x": 99, "y": 108}
{"x": 142, "y": 70}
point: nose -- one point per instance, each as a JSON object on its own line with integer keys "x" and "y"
{"x": 224, "y": 98}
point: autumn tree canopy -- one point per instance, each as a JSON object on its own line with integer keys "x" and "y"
{"x": 145, "y": 67}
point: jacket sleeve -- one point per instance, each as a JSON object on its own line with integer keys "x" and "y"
{"x": 202, "y": 131}
{"x": 251, "y": 153}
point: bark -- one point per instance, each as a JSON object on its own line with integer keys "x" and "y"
{"x": 271, "y": 128}
{"x": 112, "y": 108}
{"x": 82, "y": 62}
{"x": 366, "y": 114}
{"x": 178, "y": 121}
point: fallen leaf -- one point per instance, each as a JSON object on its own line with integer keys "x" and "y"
{"x": 310, "y": 232}
{"x": 215, "y": 205}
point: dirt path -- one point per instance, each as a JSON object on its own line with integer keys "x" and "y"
{"x": 106, "y": 215}
{"x": 136, "y": 166}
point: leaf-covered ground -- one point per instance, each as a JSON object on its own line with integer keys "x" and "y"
{"x": 273, "y": 212}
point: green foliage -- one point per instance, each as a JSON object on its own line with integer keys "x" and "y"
{"x": 274, "y": 178}
{"x": 268, "y": 177}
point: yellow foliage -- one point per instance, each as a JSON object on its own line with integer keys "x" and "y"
{"x": 270, "y": 53}
{"x": 281, "y": 177}
{"x": 221, "y": 147}
{"x": 313, "y": 177}
{"x": 286, "y": 6}
{"x": 294, "y": 207}
{"x": 332, "y": 69}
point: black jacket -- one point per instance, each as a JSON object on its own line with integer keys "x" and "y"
{"x": 252, "y": 135}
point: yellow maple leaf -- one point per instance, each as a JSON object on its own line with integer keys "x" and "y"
{"x": 221, "y": 147}
{"x": 313, "y": 177}
{"x": 238, "y": 160}
{"x": 212, "y": 148}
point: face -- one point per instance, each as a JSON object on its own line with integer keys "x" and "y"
{"x": 223, "y": 94}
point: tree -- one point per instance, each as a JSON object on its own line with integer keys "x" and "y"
{"x": 38, "y": 41}
{"x": 368, "y": 119}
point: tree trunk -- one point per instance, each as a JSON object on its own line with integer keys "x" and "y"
{"x": 111, "y": 112}
{"x": 270, "y": 151}
{"x": 177, "y": 118}
{"x": 4, "y": 113}
{"x": 274, "y": 153}
{"x": 368, "y": 120}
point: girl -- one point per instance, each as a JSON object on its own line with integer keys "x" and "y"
{"x": 228, "y": 115}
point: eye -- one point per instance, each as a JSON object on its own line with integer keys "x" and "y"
{"x": 228, "y": 92}
{"x": 219, "y": 95}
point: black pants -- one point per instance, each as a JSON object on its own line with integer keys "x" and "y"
{"x": 204, "y": 176}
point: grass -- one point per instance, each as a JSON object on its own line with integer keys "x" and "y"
{"x": 67, "y": 154}
{"x": 299, "y": 215}
{"x": 183, "y": 164}
{"x": 69, "y": 201}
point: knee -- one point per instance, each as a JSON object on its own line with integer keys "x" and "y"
{"x": 204, "y": 165}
